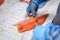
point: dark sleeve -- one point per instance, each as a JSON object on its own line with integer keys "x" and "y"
{"x": 56, "y": 20}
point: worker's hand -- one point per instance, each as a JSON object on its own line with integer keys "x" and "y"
{"x": 47, "y": 32}
{"x": 32, "y": 9}
{"x": 39, "y": 33}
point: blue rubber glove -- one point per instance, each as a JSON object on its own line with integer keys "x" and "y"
{"x": 33, "y": 7}
{"x": 47, "y": 32}
{"x": 39, "y": 33}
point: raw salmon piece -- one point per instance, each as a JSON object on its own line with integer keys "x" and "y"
{"x": 27, "y": 24}
{"x": 1, "y": 2}
{"x": 21, "y": 0}
{"x": 41, "y": 19}
{"x": 30, "y": 23}
{"x": 27, "y": 1}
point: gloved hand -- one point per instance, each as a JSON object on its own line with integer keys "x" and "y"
{"x": 32, "y": 9}
{"x": 39, "y": 33}
{"x": 33, "y": 6}
{"x": 47, "y": 32}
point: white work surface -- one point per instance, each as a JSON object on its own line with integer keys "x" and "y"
{"x": 13, "y": 11}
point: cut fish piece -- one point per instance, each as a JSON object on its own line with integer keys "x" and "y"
{"x": 41, "y": 19}
{"x": 27, "y": 24}
{"x": 27, "y": 1}
{"x": 1, "y": 2}
{"x": 30, "y": 23}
